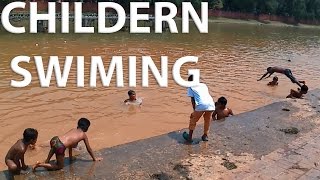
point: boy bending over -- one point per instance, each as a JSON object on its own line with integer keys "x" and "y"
{"x": 68, "y": 141}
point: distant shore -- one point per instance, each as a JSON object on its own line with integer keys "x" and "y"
{"x": 255, "y": 22}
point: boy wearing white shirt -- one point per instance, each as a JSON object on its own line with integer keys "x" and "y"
{"x": 203, "y": 105}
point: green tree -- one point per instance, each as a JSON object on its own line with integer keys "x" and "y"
{"x": 299, "y": 9}
{"x": 216, "y": 4}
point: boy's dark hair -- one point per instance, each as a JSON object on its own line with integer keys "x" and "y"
{"x": 30, "y": 134}
{"x": 275, "y": 78}
{"x": 223, "y": 101}
{"x": 190, "y": 78}
{"x": 83, "y": 124}
{"x": 131, "y": 92}
{"x": 304, "y": 88}
{"x": 269, "y": 69}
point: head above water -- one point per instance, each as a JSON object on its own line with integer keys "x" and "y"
{"x": 83, "y": 124}
{"x": 223, "y": 101}
{"x": 132, "y": 94}
{"x": 275, "y": 78}
{"x": 304, "y": 89}
{"x": 30, "y": 136}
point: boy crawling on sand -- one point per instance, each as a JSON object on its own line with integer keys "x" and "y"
{"x": 298, "y": 94}
{"x": 15, "y": 156}
{"x": 221, "y": 111}
{"x": 69, "y": 140}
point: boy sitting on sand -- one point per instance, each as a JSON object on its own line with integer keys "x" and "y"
{"x": 133, "y": 98}
{"x": 221, "y": 111}
{"x": 274, "y": 82}
{"x": 15, "y": 156}
{"x": 69, "y": 140}
{"x": 298, "y": 94}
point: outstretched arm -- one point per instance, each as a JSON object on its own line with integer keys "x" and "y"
{"x": 86, "y": 142}
{"x": 264, "y": 76}
{"x": 269, "y": 75}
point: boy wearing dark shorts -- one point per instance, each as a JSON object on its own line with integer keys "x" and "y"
{"x": 69, "y": 140}
{"x": 287, "y": 72}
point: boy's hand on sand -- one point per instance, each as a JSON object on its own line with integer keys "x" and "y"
{"x": 98, "y": 159}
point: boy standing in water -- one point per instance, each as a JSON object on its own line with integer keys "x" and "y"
{"x": 203, "y": 105}
{"x": 69, "y": 140}
{"x": 133, "y": 98}
{"x": 287, "y": 72}
{"x": 221, "y": 111}
{"x": 15, "y": 156}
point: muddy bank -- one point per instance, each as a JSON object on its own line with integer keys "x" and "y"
{"x": 240, "y": 140}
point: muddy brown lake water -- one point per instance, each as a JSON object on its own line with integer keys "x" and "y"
{"x": 231, "y": 59}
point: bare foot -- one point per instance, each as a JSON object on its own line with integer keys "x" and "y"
{"x": 99, "y": 159}
{"x": 35, "y": 166}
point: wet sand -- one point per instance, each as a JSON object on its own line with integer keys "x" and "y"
{"x": 231, "y": 58}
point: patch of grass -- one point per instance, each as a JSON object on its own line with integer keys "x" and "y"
{"x": 229, "y": 165}
{"x": 291, "y": 130}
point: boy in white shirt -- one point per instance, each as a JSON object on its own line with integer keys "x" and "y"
{"x": 203, "y": 105}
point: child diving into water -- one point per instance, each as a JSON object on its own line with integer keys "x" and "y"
{"x": 287, "y": 72}
{"x": 67, "y": 141}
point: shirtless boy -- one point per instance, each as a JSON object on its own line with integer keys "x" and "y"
{"x": 67, "y": 141}
{"x": 298, "y": 94}
{"x": 274, "y": 82}
{"x": 287, "y": 72}
{"x": 221, "y": 111}
{"x": 15, "y": 156}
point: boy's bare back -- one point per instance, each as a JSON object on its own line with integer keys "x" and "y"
{"x": 72, "y": 138}
{"x": 221, "y": 114}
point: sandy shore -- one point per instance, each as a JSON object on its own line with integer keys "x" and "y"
{"x": 250, "y": 145}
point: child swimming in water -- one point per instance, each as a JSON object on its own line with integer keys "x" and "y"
{"x": 221, "y": 111}
{"x": 68, "y": 141}
{"x": 298, "y": 94}
{"x": 274, "y": 82}
{"x": 133, "y": 98}
{"x": 15, "y": 156}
